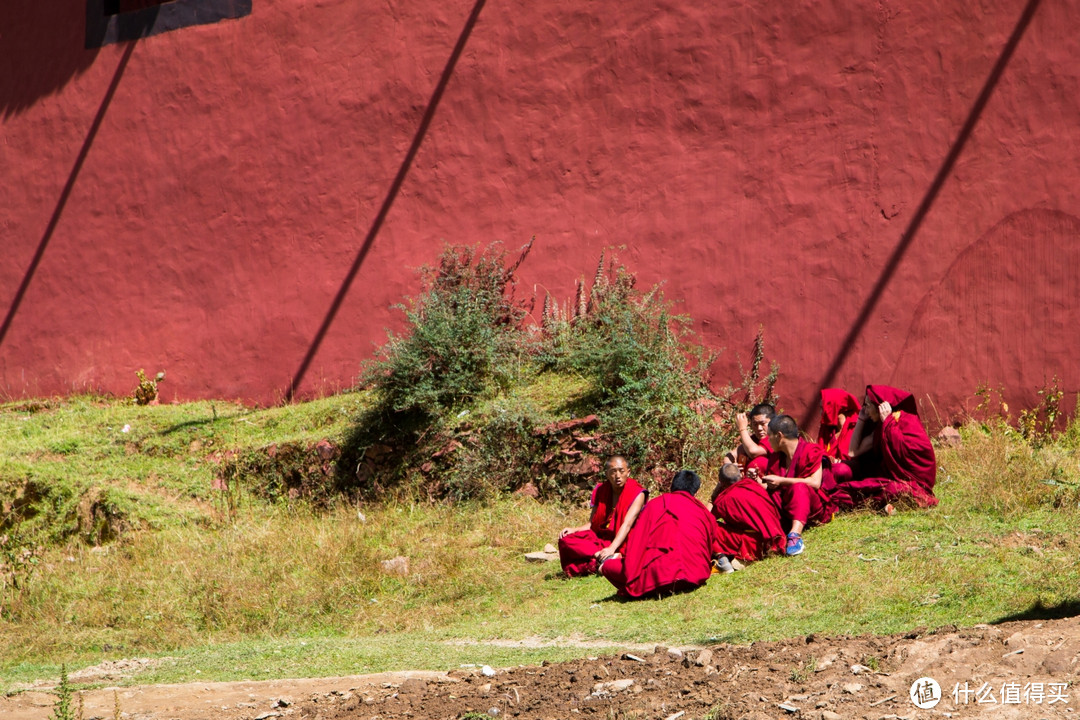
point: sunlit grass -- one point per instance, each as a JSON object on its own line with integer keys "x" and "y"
{"x": 278, "y": 590}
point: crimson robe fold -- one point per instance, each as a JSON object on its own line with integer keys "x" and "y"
{"x": 669, "y": 549}
{"x": 576, "y": 550}
{"x": 902, "y": 467}
{"x": 799, "y": 501}
{"x": 834, "y": 437}
{"x": 749, "y": 519}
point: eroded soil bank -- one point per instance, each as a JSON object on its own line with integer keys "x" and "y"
{"x": 1023, "y": 669}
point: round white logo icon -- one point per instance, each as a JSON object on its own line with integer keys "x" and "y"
{"x": 925, "y": 693}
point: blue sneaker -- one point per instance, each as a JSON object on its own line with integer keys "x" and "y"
{"x": 794, "y": 544}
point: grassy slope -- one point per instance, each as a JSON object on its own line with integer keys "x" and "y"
{"x": 284, "y": 591}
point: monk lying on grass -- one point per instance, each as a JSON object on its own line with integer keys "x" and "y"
{"x": 670, "y": 548}
{"x": 798, "y": 481}
{"x": 615, "y": 503}
{"x": 892, "y": 461}
{"x": 749, "y": 519}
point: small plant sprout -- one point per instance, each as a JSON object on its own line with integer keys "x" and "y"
{"x": 146, "y": 392}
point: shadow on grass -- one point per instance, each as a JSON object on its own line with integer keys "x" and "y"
{"x": 1038, "y": 611}
{"x": 196, "y": 423}
{"x": 656, "y": 595}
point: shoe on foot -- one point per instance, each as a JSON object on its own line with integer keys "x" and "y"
{"x": 794, "y": 544}
{"x": 722, "y": 565}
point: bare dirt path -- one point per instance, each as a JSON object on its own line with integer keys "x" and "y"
{"x": 1013, "y": 670}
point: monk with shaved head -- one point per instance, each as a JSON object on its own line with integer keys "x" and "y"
{"x": 616, "y": 502}
{"x": 798, "y": 480}
{"x": 670, "y": 548}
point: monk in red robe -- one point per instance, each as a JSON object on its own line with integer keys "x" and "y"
{"x": 753, "y": 436}
{"x": 749, "y": 518}
{"x": 798, "y": 480}
{"x": 670, "y": 548}
{"x": 893, "y": 461}
{"x": 615, "y": 503}
{"x": 839, "y": 413}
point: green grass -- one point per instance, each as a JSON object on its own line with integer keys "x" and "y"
{"x": 277, "y": 590}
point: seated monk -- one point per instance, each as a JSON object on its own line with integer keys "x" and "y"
{"x": 615, "y": 504}
{"x": 749, "y": 519}
{"x": 670, "y": 548}
{"x": 796, "y": 477}
{"x": 753, "y": 435}
{"x": 892, "y": 458}
{"x": 839, "y": 413}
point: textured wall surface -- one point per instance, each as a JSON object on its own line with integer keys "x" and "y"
{"x": 193, "y": 203}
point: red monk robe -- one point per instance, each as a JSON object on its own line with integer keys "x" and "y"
{"x": 902, "y": 466}
{"x": 799, "y": 501}
{"x": 670, "y": 548}
{"x": 576, "y": 550}
{"x": 833, "y": 437}
{"x": 759, "y": 463}
{"x": 749, "y": 521}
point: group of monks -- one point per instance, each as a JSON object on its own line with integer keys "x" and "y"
{"x": 772, "y": 486}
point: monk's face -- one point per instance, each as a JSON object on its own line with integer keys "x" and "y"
{"x": 759, "y": 426}
{"x": 617, "y": 472}
{"x": 872, "y": 409}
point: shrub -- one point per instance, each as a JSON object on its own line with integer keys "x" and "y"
{"x": 463, "y": 343}
{"x": 446, "y": 421}
{"x": 649, "y": 375}
{"x": 464, "y": 333}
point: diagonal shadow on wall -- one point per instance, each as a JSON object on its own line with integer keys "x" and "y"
{"x": 66, "y": 192}
{"x": 391, "y": 194}
{"x": 41, "y": 50}
{"x": 917, "y": 218}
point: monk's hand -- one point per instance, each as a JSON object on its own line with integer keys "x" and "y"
{"x": 742, "y": 422}
{"x": 774, "y": 481}
{"x": 885, "y": 409}
{"x": 564, "y": 532}
{"x": 605, "y": 553}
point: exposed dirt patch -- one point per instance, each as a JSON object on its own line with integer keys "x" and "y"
{"x": 812, "y": 677}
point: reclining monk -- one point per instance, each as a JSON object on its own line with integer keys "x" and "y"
{"x": 798, "y": 480}
{"x": 615, "y": 504}
{"x": 892, "y": 461}
{"x": 670, "y": 548}
{"x": 839, "y": 413}
{"x": 749, "y": 518}
{"x": 753, "y": 435}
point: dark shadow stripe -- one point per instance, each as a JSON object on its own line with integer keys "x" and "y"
{"x": 395, "y": 187}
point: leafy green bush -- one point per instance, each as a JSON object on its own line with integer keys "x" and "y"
{"x": 463, "y": 343}
{"x": 464, "y": 337}
{"x": 649, "y": 375}
{"x": 446, "y": 421}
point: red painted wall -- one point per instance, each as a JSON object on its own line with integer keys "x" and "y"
{"x": 764, "y": 161}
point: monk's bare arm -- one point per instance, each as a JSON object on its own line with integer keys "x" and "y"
{"x": 746, "y": 439}
{"x": 813, "y": 481}
{"x": 624, "y": 530}
{"x": 750, "y": 447}
{"x": 862, "y": 437}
